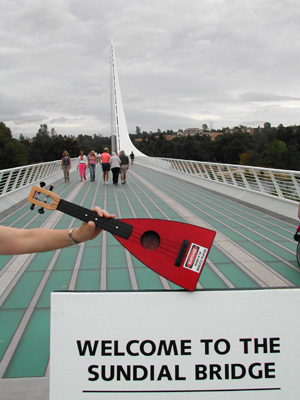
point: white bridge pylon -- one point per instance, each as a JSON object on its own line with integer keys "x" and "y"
{"x": 120, "y": 139}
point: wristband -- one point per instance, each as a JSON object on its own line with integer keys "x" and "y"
{"x": 72, "y": 240}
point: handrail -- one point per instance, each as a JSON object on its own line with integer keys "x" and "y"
{"x": 284, "y": 184}
{"x": 19, "y": 177}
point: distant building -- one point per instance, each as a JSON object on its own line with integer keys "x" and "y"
{"x": 214, "y": 134}
{"x": 243, "y": 129}
{"x": 170, "y": 137}
{"x": 191, "y": 132}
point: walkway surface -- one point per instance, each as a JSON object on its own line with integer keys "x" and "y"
{"x": 252, "y": 249}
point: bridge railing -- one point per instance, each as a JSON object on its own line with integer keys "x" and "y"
{"x": 16, "y": 178}
{"x": 284, "y": 184}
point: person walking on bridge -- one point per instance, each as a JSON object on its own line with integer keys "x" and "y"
{"x": 132, "y": 157}
{"x": 66, "y": 165}
{"x": 104, "y": 161}
{"x": 115, "y": 163}
{"x": 92, "y": 161}
{"x": 82, "y": 165}
{"x": 124, "y": 166}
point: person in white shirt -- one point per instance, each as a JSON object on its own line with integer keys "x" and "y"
{"x": 115, "y": 163}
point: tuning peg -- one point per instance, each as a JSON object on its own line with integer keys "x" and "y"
{"x": 42, "y": 184}
{"x": 32, "y": 207}
{"x": 51, "y": 188}
{"x": 41, "y": 210}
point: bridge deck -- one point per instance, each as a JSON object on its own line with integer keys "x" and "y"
{"x": 252, "y": 249}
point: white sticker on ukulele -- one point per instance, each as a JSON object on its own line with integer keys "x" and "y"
{"x": 195, "y": 258}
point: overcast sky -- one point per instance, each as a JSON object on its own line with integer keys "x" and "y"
{"x": 181, "y": 63}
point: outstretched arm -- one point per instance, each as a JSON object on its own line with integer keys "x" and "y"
{"x": 23, "y": 241}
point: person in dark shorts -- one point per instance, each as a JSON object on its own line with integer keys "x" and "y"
{"x": 124, "y": 166}
{"x": 132, "y": 157}
{"x": 104, "y": 159}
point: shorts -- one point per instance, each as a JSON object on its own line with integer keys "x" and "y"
{"x": 105, "y": 167}
{"x": 124, "y": 169}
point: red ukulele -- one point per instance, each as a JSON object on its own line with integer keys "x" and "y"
{"x": 175, "y": 250}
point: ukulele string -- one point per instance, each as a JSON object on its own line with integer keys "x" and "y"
{"x": 140, "y": 232}
{"x": 109, "y": 224}
{"x": 161, "y": 248}
{"x": 171, "y": 248}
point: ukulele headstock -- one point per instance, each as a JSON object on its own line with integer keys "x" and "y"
{"x": 43, "y": 198}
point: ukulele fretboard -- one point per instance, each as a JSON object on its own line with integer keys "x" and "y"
{"x": 111, "y": 225}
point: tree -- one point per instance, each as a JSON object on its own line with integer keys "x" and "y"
{"x": 275, "y": 155}
{"x": 5, "y": 132}
{"x": 267, "y": 125}
{"x": 40, "y": 148}
{"x": 12, "y": 152}
{"x": 248, "y": 158}
{"x": 268, "y": 146}
{"x": 53, "y": 133}
{"x": 43, "y": 130}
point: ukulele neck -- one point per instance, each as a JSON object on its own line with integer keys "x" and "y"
{"x": 111, "y": 225}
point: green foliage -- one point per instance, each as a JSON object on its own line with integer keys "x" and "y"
{"x": 96, "y": 143}
{"x": 275, "y": 154}
{"x": 5, "y": 133}
{"x": 45, "y": 146}
{"x": 12, "y": 152}
{"x": 266, "y": 147}
{"x": 229, "y": 147}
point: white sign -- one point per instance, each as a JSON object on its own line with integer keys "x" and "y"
{"x": 233, "y": 344}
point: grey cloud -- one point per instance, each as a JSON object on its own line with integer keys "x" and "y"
{"x": 266, "y": 97}
{"x": 175, "y": 60}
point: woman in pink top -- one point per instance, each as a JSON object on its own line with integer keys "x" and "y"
{"x": 82, "y": 165}
{"x": 104, "y": 160}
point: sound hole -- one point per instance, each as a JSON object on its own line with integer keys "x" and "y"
{"x": 150, "y": 240}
